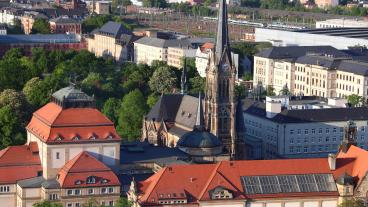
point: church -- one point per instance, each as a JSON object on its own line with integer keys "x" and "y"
{"x": 209, "y": 129}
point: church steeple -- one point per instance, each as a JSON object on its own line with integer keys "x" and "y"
{"x": 222, "y": 36}
{"x": 184, "y": 86}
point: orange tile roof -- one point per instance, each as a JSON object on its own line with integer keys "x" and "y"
{"x": 198, "y": 180}
{"x": 18, "y": 163}
{"x": 83, "y": 166}
{"x": 52, "y": 122}
{"x": 207, "y": 46}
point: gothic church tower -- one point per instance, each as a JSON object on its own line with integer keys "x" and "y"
{"x": 220, "y": 104}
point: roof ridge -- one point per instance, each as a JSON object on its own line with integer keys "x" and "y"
{"x": 209, "y": 180}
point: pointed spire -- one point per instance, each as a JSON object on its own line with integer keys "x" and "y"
{"x": 184, "y": 77}
{"x": 222, "y": 37}
{"x": 199, "y": 125}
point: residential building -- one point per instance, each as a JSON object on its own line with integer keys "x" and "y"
{"x": 70, "y": 4}
{"x": 299, "y": 128}
{"x": 316, "y": 182}
{"x": 102, "y": 7}
{"x": 340, "y": 38}
{"x": 111, "y": 40}
{"x": 67, "y": 164}
{"x": 340, "y": 23}
{"x": 148, "y": 49}
{"x": 65, "y": 24}
{"x": 176, "y": 54}
{"x": 206, "y": 133}
{"x": 47, "y": 41}
{"x": 311, "y": 71}
{"x": 28, "y": 19}
{"x": 10, "y": 15}
{"x": 3, "y": 30}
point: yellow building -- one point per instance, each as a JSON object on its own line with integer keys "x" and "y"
{"x": 111, "y": 40}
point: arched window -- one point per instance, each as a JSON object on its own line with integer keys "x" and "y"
{"x": 91, "y": 180}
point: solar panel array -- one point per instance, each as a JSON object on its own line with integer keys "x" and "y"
{"x": 288, "y": 184}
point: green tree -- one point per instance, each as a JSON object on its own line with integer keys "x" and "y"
{"x": 123, "y": 202}
{"x": 155, "y": 3}
{"x": 352, "y": 203}
{"x": 16, "y": 28}
{"x": 285, "y": 90}
{"x": 131, "y": 112}
{"x": 355, "y": 100}
{"x": 18, "y": 103}
{"x": 163, "y": 80}
{"x": 10, "y": 128}
{"x": 240, "y": 91}
{"x": 111, "y": 109}
{"x": 247, "y": 76}
{"x": 40, "y": 26}
{"x": 47, "y": 204}
{"x": 94, "y": 21}
{"x": 270, "y": 91}
{"x": 34, "y": 91}
{"x": 197, "y": 84}
{"x": 151, "y": 100}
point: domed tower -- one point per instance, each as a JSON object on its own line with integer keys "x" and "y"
{"x": 199, "y": 142}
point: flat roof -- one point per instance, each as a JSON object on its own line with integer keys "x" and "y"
{"x": 39, "y": 38}
{"x": 357, "y": 32}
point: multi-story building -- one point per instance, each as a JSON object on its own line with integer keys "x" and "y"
{"x": 28, "y": 19}
{"x": 148, "y": 49}
{"x": 176, "y": 54}
{"x": 10, "y": 16}
{"x": 65, "y": 24}
{"x": 102, "y": 7}
{"x": 69, "y": 156}
{"x": 338, "y": 23}
{"x": 47, "y": 41}
{"x": 301, "y": 127}
{"x": 111, "y": 40}
{"x": 318, "y": 182}
{"x": 311, "y": 71}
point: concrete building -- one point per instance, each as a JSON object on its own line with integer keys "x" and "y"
{"x": 28, "y": 19}
{"x": 318, "y": 182}
{"x": 67, "y": 164}
{"x": 47, "y": 41}
{"x": 311, "y": 71}
{"x": 111, "y": 40}
{"x": 341, "y": 23}
{"x": 340, "y": 38}
{"x": 65, "y": 24}
{"x": 102, "y": 7}
{"x": 176, "y": 54}
{"x": 301, "y": 127}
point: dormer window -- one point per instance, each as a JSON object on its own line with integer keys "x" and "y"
{"x": 59, "y": 138}
{"x": 76, "y": 137}
{"x": 91, "y": 180}
{"x": 104, "y": 181}
{"x": 78, "y": 182}
{"x": 110, "y": 136}
{"x": 221, "y": 193}
{"x": 92, "y": 137}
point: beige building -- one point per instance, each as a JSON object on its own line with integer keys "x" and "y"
{"x": 175, "y": 55}
{"x": 70, "y": 152}
{"x": 99, "y": 7}
{"x": 28, "y": 19}
{"x": 311, "y": 71}
{"x": 148, "y": 49}
{"x": 111, "y": 40}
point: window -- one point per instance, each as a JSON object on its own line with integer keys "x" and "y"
{"x": 305, "y": 149}
{"x": 362, "y": 137}
{"x": 299, "y": 131}
{"x": 291, "y": 131}
{"x": 327, "y": 130}
{"x": 313, "y": 131}
{"x": 334, "y": 130}
{"x": 58, "y": 155}
{"x": 77, "y": 192}
{"x": 362, "y": 128}
{"x": 291, "y": 140}
{"x": 90, "y": 191}
{"x": 77, "y": 205}
{"x": 53, "y": 197}
{"x": 69, "y": 205}
{"x": 327, "y": 139}
{"x": 306, "y": 131}
{"x": 111, "y": 203}
{"x": 4, "y": 189}
{"x": 320, "y": 131}
{"x": 103, "y": 190}
{"x": 111, "y": 190}
{"x": 70, "y": 192}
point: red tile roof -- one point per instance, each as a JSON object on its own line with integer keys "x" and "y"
{"x": 52, "y": 122}
{"x": 83, "y": 166}
{"x": 207, "y": 46}
{"x": 18, "y": 163}
{"x": 198, "y": 180}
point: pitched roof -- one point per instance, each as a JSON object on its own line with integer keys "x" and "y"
{"x": 166, "y": 107}
{"x": 163, "y": 43}
{"x": 64, "y": 20}
{"x": 114, "y": 29}
{"x": 306, "y": 115}
{"x": 16, "y": 159}
{"x": 82, "y": 167}
{"x": 52, "y": 122}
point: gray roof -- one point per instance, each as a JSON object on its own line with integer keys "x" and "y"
{"x": 356, "y": 32}
{"x": 142, "y": 152}
{"x": 114, "y": 29}
{"x": 51, "y": 184}
{"x": 356, "y": 67}
{"x": 187, "y": 112}
{"x": 322, "y": 61}
{"x": 307, "y": 115}
{"x": 165, "y": 108}
{"x": 39, "y": 38}
{"x": 64, "y": 19}
{"x": 71, "y": 94}
{"x": 293, "y": 52}
{"x": 199, "y": 139}
{"x": 163, "y": 43}
{"x": 35, "y": 182}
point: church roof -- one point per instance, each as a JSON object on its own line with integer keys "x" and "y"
{"x": 165, "y": 108}
{"x": 82, "y": 167}
{"x": 199, "y": 139}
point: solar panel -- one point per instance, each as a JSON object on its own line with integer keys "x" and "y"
{"x": 288, "y": 183}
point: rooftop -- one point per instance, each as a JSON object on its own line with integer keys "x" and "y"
{"x": 39, "y": 38}
{"x": 163, "y": 43}
{"x": 349, "y": 32}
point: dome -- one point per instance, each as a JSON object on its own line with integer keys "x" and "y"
{"x": 345, "y": 179}
{"x": 199, "y": 139}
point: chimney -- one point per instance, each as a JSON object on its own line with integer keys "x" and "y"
{"x": 332, "y": 161}
{"x": 272, "y": 109}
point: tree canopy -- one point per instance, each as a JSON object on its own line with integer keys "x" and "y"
{"x": 40, "y": 26}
